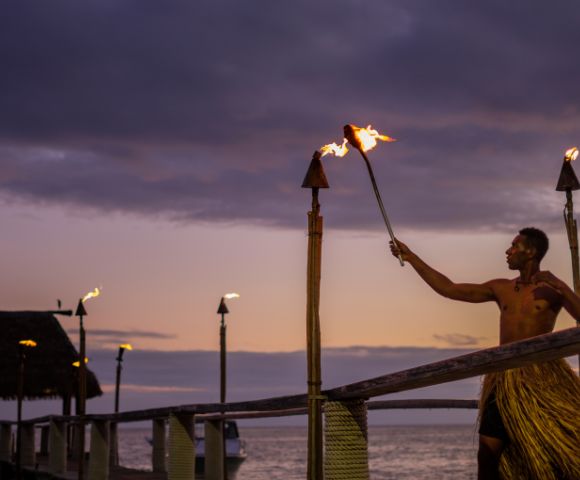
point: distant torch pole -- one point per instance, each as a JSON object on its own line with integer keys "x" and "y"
{"x": 81, "y": 312}
{"x": 22, "y": 345}
{"x": 223, "y": 310}
{"x": 567, "y": 183}
{"x": 349, "y": 134}
{"x": 315, "y": 179}
{"x": 119, "y": 359}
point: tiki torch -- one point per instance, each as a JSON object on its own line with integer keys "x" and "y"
{"x": 81, "y": 312}
{"x": 22, "y": 346}
{"x": 122, "y": 348}
{"x": 315, "y": 179}
{"x": 567, "y": 183}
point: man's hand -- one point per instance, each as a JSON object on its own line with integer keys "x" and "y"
{"x": 399, "y": 248}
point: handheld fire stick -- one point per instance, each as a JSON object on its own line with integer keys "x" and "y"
{"x": 352, "y": 134}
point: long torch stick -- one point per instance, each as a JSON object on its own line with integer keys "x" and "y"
{"x": 353, "y": 140}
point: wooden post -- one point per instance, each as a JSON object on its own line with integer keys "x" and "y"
{"x": 346, "y": 441}
{"x": 314, "y": 471}
{"x": 44, "y": 440}
{"x": 5, "y": 442}
{"x": 57, "y": 446}
{"x": 113, "y": 444}
{"x": 181, "y": 447}
{"x": 99, "y": 453}
{"x": 158, "y": 454}
{"x": 214, "y": 450}
{"x": 28, "y": 452}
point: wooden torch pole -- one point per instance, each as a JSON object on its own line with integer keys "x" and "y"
{"x": 315, "y": 179}
{"x": 567, "y": 182}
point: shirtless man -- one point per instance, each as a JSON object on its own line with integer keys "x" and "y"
{"x": 529, "y": 305}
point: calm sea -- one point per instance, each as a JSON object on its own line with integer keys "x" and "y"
{"x": 395, "y": 452}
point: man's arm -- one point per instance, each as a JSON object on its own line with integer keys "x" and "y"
{"x": 570, "y": 301}
{"x": 464, "y": 292}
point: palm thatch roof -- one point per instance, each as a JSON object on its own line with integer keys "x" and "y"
{"x": 48, "y": 369}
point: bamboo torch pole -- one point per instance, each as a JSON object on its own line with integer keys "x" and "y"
{"x": 567, "y": 183}
{"x": 315, "y": 179}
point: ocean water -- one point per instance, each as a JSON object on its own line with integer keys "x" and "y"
{"x": 434, "y": 452}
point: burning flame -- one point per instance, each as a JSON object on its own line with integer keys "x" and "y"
{"x": 27, "y": 343}
{"x": 78, "y": 363}
{"x": 368, "y": 137}
{"x": 126, "y": 346}
{"x": 365, "y": 137}
{"x": 231, "y": 295}
{"x": 336, "y": 150}
{"x": 95, "y": 293}
{"x": 571, "y": 154}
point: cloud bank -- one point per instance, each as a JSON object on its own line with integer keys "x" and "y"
{"x": 210, "y": 112}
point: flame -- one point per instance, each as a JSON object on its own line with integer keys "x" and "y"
{"x": 337, "y": 150}
{"x": 571, "y": 154}
{"x": 28, "y": 343}
{"x": 231, "y": 295}
{"x": 95, "y": 293}
{"x": 126, "y": 346}
{"x": 368, "y": 137}
{"x": 78, "y": 363}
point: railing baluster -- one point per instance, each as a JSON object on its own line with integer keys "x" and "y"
{"x": 181, "y": 447}
{"x": 346, "y": 441}
{"x": 57, "y": 446}
{"x": 99, "y": 453}
{"x": 158, "y": 453}
{"x": 214, "y": 450}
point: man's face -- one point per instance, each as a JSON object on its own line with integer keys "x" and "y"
{"x": 518, "y": 253}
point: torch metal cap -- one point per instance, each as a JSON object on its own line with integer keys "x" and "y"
{"x": 80, "y": 309}
{"x": 315, "y": 176}
{"x": 223, "y": 307}
{"x": 568, "y": 179}
{"x": 350, "y": 135}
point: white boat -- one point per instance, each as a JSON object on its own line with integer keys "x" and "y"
{"x": 235, "y": 447}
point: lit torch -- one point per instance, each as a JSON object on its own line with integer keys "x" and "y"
{"x": 567, "y": 183}
{"x": 82, "y": 312}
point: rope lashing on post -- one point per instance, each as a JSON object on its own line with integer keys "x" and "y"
{"x": 181, "y": 448}
{"x": 346, "y": 440}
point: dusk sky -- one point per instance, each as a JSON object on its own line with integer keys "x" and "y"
{"x": 157, "y": 149}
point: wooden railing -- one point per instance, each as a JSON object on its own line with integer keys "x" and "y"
{"x": 348, "y": 398}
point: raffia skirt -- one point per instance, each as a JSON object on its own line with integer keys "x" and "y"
{"x": 540, "y": 408}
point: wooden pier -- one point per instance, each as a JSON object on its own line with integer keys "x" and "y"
{"x": 345, "y": 409}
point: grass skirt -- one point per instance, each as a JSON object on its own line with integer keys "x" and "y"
{"x": 540, "y": 408}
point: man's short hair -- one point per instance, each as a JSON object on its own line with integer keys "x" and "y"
{"x": 537, "y": 239}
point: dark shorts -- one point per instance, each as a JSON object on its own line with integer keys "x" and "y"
{"x": 491, "y": 423}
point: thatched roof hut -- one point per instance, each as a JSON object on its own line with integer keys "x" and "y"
{"x": 48, "y": 370}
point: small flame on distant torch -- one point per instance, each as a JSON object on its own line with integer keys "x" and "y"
{"x": 229, "y": 296}
{"x": 95, "y": 293}
{"x": 78, "y": 363}
{"x": 571, "y": 154}
{"x": 126, "y": 346}
{"x": 27, "y": 343}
